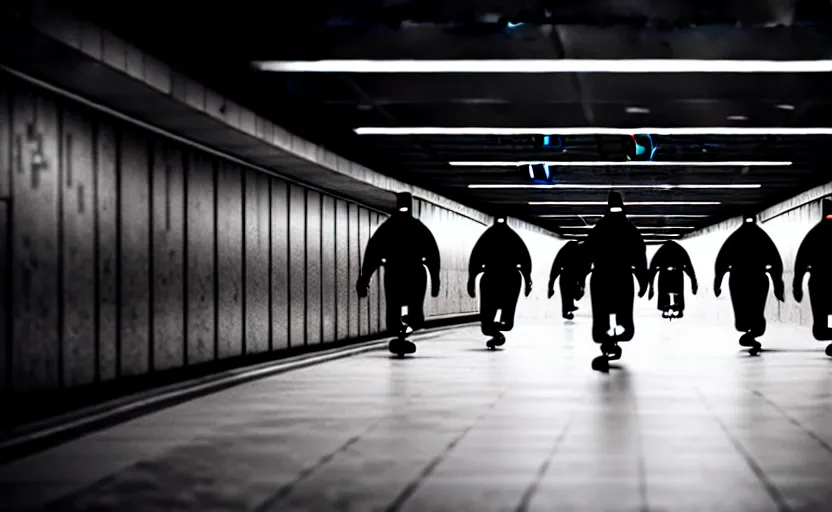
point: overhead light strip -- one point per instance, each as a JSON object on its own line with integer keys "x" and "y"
{"x": 607, "y": 187}
{"x": 639, "y": 227}
{"x": 635, "y": 203}
{"x": 648, "y": 163}
{"x": 643, "y": 216}
{"x": 725, "y": 130}
{"x": 539, "y": 66}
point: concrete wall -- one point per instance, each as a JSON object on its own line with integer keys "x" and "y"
{"x": 787, "y": 224}
{"x": 123, "y": 253}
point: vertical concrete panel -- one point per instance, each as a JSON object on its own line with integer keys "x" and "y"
{"x": 372, "y": 222}
{"x": 313, "y": 267}
{"x": 78, "y": 219}
{"x": 355, "y": 251}
{"x": 168, "y": 256}
{"x": 6, "y": 138}
{"x": 107, "y": 222}
{"x": 382, "y": 300}
{"x": 4, "y": 299}
{"x": 297, "y": 266}
{"x": 257, "y": 262}
{"x": 199, "y": 293}
{"x": 34, "y": 263}
{"x": 229, "y": 260}
{"x": 364, "y": 237}
{"x": 134, "y": 215}
{"x": 328, "y": 279}
{"x": 280, "y": 264}
{"x": 343, "y": 286}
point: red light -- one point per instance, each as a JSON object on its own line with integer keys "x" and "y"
{"x": 829, "y": 217}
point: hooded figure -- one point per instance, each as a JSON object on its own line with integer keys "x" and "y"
{"x": 617, "y": 251}
{"x": 813, "y": 257}
{"x": 670, "y": 261}
{"x": 749, "y": 253}
{"x": 405, "y": 247}
{"x": 503, "y": 259}
{"x": 572, "y": 266}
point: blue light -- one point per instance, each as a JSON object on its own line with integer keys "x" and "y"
{"x": 546, "y": 170}
{"x": 514, "y": 25}
{"x": 545, "y": 140}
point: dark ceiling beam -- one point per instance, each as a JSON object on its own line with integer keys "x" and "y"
{"x": 579, "y": 42}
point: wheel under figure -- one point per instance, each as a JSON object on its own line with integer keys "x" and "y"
{"x": 572, "y": 266}
{"x": 404, "y": 247}
{"x": 749, "y": 254}
{"x": 503, "y": 259}
{"x": 616, "y": 251}
{"x": 670, "y": 262}
{"x": 813, "y": 258}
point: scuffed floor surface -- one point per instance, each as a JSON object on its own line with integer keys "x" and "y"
{"x": 687, "y": 422}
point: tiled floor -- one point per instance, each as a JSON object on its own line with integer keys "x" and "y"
{"x": 688, "y": 422}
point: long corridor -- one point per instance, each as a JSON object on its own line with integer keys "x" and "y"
{"x": 686, "y": 421}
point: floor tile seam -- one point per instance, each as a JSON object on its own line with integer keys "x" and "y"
{"x": 809, "y": 432}
{"x": 413, "y": 486}
{"x": 771, "y": 489}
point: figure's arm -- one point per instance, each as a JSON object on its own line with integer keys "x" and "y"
{"x": 723, "y": 263}
{"x": 475, "y": 264}
{"x": 654, "y": 269}
{"x": 640, "y": 263}
{"x": 557, "y": 267}
{"x": 372, "y": 259}
{"x": 802, "y": 266}
{"x": 432, "y": 260}
{"x": 525, "y": 264}
{"x": 775, "y": 270}
{"x": 688, "y": 268}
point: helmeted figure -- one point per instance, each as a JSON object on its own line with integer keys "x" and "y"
{"x": 404, "y": 246}
{"x": 670, "y": 262}
{"x": 572, "y": 265}
{"x": 813, "y": 258}
{"x": 503, "y": 259}
{"x": 749, "y": 254}
{"x": 617, "y": 251}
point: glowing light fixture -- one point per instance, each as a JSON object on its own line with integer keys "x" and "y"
{"x": 403, "y": 209}
{"x": 635, "y": 203}
{"x": 629, "y": 216}
{"x": 724, "y": 130}
{"x": 546, "y": 66}
{"x": 630, "y": 163}
{"x": 607, "y": 187}
{"x": 639, "y": 227}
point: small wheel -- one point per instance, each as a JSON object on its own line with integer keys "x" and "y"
{"x": 600, "y": 364}
{"x": 829, "y": 350}
{"x": 614, "y": 353}
{"x": 755, "y": 349}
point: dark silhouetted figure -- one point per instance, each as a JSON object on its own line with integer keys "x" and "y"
{"x": 617, "y": 251}
{"x": 572, "y": 266}
{"x": 813, "y": 257}
{"x": 404, "y": 246}
{"x": 749, "y": 254}
{"x": 670, "y": 262}
{"x": 503, "y": 259}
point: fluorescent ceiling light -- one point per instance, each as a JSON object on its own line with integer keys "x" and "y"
{"x": 649, "y": 163}
{"x": 605, "y": 187}
{"x": 639, "y": 227}
{"x": 546, "y": 66}
{"x": 635, "y": 203}
{"x": 734, "y": 130}
{"x": 643, "y": 216}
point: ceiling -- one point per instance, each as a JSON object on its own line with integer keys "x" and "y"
{"x": 216, "y": 43}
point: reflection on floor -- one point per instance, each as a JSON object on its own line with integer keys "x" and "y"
{"x": 687, "y": 422}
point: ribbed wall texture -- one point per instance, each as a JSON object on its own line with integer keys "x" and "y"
{"x": 123, "y": 253}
